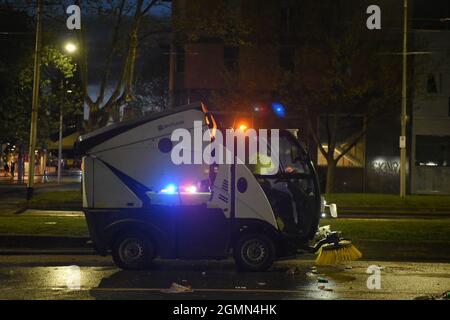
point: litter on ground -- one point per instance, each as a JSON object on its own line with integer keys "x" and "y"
{"x": 292, "y": 271}
{"x": 322, "y": 280}
{"x": 177, "y": 288}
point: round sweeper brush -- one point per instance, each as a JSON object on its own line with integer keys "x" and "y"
{"x": 334, "y": 253}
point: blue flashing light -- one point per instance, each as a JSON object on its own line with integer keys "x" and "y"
{"x": 171, "y": 188}
{"x": 278, "y": 108}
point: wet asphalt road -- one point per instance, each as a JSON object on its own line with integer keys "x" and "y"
{"x": 55, "y": 277}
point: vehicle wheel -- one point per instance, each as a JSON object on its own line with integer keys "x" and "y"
{"x": 133, "y": 251}
{"x": 254, "y": 252}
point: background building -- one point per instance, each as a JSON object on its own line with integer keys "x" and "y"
{"x": 430, "y": 165}
{"x": 207, "y": 67}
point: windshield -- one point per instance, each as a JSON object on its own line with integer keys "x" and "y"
{"x": 292, "y": 190}
{"x": 292, "y": 159}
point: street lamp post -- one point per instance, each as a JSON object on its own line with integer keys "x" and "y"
{"x": 35, "y": 101}
{"x": 402, "y": 141}
{"x": 60, "y": 131}
{"x": 70, "y": 48}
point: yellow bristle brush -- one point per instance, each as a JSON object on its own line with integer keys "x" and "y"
{"x": 334, "y": 253}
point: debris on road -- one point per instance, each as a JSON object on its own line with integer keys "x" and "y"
{"x": 177, "y": 288}
{"x": 428, "y": 297}
{"x": 324, "y": 288}
{"x": 444, "y": 296}
{"x": 322, "y": 280}
{"x": 348, "y": 267}
{"x": 313, "y": 270}
{"x": 240, "y": 287}
{"x": 292, "y": 271}
{"x": 261, "y": 283}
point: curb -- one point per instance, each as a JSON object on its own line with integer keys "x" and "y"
{"x": 377, "y": 212}
{"x": 34, "y": 242}
{"x": 393, "y": 215}
{"x": 56, "y": 252}
{"x": 66, "y": 207}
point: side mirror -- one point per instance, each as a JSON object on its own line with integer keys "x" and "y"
{"x": 333, "y": 210}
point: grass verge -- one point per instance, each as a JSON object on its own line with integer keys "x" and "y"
{"x": 405, "y": 230}
{"x": 401, "y": 230}
{"x": 371, "y": 200}
{"x": 385, "y": 239}
{"x": 43, "y": 225}
{"x": 53, "y": 199}
{"x": 402, "y": 239}
{"x": 73, "y": 198}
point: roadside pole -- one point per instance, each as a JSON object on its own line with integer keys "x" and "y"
{"x": 35, "y": 101}
{"x": 60, "y": 131}
{"x": 60, "y": 145}
{"x": 402, "y": 141}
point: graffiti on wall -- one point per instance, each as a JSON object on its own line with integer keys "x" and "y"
{"x": 385, "y": 166}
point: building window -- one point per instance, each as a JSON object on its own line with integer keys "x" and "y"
{"x": 433, "y": 151}
{"x": 351, "y": 126}
{"x": 353, "y": 158}
{"x": 231, "y": 58}
{"x": 180, "y": 60}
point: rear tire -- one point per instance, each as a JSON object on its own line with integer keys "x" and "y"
{"x": 133, "y": 251}
{"x": 254, "y": 252}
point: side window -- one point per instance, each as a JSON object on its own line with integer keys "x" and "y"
{"x": 291, "y": 159}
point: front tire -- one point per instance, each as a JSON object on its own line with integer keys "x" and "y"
{"x": 133, "y": 251}
{"x": 255, "y": 252}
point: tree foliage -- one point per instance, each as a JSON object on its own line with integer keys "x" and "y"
{"x": 344, "y": 73}
{"x": 15, "y": 108}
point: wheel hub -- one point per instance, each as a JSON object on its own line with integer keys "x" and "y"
{"x": 254, "y": 252}
{"x": 131, "y": 249}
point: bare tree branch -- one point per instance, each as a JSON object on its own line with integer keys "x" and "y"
{"x": 149, "y": 6}
{"x": 112, "y": 51}
{"x": 353, "y": 143}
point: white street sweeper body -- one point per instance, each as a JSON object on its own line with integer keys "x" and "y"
{"x": 139, "y": 204}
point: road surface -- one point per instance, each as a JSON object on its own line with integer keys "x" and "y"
{"x": 93, "y": 277}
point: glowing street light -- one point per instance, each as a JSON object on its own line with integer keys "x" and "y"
{"x": 70, "y": 47}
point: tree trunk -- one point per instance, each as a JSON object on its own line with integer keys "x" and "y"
{"x": 330, "y": 176}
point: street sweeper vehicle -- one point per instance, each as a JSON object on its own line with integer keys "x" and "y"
{"x": 140, "y": 202}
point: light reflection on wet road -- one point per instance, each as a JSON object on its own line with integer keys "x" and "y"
{"x": 56, "y": 277}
